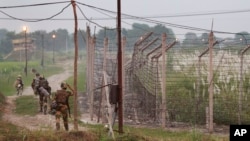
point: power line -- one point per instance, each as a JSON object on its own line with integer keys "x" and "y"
{"x": 166, "y": 23}
{"x": 91, "y": 20}
{"x": 37, "y": 20}
{"x": 32, "y": 5}
{"x": 126, "y": 16}
{"x": 199, "y": 14}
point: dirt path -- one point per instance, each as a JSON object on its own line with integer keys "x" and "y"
{"x": 39, "y": 121}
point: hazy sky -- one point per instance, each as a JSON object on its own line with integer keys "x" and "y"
{"x": 232, "y": 15}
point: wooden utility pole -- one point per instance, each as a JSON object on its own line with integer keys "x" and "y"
{"x": 93, "y": 43}
{"x": 88, "y": 59}
{"x": 103, "y": 100}
{"x": 163, "y": 71}
{"x": 42, "y": 61}
{"x": 120, "y": 69}
{"x": 123, "y": 62}
{"x": 25, "y": 44}
{"x": 90, "y": 70}
{"x": 211, "y": 88}
{"x": 75, "y": 65}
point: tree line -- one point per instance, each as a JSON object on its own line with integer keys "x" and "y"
{"x": 64, "y": 39}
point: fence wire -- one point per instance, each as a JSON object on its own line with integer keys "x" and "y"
{"x": 187, "y": 82}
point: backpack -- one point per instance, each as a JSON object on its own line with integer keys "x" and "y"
{"x": 19, "y": 81}
{"x": 44, "y": 83}
{"x": 53, "y": 107}
{"x": 36, "y": 82}
{"x": 61, "y": 96}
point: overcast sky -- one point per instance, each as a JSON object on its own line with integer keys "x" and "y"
{"x": 231, "y": 15}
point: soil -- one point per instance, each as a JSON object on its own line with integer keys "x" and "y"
{"x": 39, "y": 121}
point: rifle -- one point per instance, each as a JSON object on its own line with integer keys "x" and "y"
{"x": 67, "y": 102}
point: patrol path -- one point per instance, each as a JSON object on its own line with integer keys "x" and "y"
{"x": 39, "y": 121}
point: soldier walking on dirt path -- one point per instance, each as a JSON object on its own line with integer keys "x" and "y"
{"x": 44, "y": 91}
{"x": 62, "y": 108}
{"x": 35, "y": 83}
{"x": 19, "y": 85}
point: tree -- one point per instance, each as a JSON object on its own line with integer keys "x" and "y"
{"x": 204, "y": 37}
{"x": 82, "y": 39}
{"x": 242, "y": 37}
{"x": 37, "y": 35}
{"x": 3, "y": 32}
{"x": 159, "y": 29}
{"x": 190, "y": 39}
{"x": 6, "y": 42}
{"x": 141, "y": 27}
{"x": 61, "y": 39}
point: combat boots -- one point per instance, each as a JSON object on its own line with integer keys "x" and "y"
{"x": 66, "y": 126}
{"x": 58, "y": 126}
{"x": 41, "y": 110}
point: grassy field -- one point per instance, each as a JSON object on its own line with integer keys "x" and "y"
{"x": 10, "y": 70}
{"x": 81, "y": 77}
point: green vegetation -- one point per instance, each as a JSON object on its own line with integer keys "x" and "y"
{"x": 81, "y": 80}
{"x": 95, "y": 132}
{"x": 13, "y": 133}
{"x": 26, "y": 105}
{"x": 10, "y": 70}
{"x": 133, "y": 133}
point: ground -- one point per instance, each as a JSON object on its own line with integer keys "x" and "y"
{"x": 39, "y": 121}
{"x": 47, "y": 122}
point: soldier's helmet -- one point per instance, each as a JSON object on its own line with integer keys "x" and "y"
{"x": 41, "y": 76}
{"x": 19, "y": 76}
{"x": 63, "y": 85}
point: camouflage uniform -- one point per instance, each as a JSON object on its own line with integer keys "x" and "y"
{"x": 35, "y": 83}
{"x": 44, "y": 91}
{"x": 61, "y": 98}
{"x": 18, "y": 83}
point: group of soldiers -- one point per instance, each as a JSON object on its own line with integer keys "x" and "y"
{"x": 41, "y": 87}
{"x": 59, "y": 105}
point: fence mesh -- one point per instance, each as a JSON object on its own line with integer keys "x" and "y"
{"x": 187, "y": 82}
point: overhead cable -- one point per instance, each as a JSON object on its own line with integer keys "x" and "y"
{"x": 38, "y": 20}
{"x": 32, "y": 5}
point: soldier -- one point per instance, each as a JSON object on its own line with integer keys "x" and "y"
{"x": 18, "y": 84}
{"x": 35, "y": 83}
{"x": 44, "y": 91}
{"x": 62, "y": 108}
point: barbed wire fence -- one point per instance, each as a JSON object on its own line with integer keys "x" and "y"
{"x": 166, "y": 84}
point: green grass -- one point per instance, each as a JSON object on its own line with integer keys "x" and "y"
{"x": 10, "y": 70}
{"x": 26, "y": 105}
{"x": 132, "y": 133}
{"x": 81, "y": 78}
